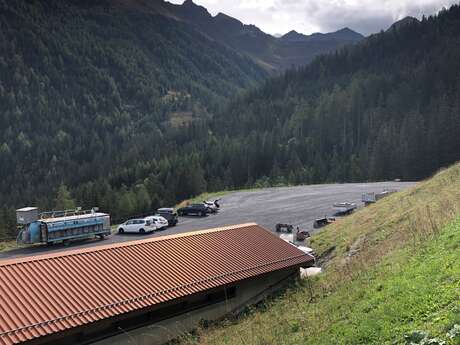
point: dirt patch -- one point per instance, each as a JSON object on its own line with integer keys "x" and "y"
{"x": 325, "y": 257}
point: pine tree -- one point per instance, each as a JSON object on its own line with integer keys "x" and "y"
{"x": 64, "y": 200}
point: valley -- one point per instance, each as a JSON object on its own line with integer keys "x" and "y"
{"x": 114, "y": 110}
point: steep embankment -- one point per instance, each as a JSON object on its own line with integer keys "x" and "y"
{"x": 391, "y": 269}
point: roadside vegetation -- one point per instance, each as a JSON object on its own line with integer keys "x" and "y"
{"x": 202, "y": 197}
{"x": 392, "y": 276}
{"x": 6, "y": 245}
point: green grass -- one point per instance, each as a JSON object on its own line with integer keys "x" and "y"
{"x": 7, "y": 245}
{"x": 390, "y": 269}
{"x": 202, "y": 197}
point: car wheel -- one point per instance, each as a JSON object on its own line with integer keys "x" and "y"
{"x": 202, "y": 214}
{"x": 121, "y": 230}
{"x": 141, "y": 231}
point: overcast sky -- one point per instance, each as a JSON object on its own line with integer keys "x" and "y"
{"x": 308, "y": 16}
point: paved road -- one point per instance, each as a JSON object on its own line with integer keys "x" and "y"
{"x": 295, "y": 205}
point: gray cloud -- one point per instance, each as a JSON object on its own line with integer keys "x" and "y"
{"x": 307, "y": 16}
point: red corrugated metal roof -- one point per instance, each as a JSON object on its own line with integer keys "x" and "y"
{"x": 50, "y": 293}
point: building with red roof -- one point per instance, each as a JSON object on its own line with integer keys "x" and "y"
{"x": 150, "y": 290}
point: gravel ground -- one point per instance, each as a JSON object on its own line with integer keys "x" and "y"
{"x": 294, "y": 205}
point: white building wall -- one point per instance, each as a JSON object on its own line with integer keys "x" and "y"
{"x": 248, "y": 293}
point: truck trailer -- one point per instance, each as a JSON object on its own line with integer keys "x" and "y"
{"x": 60, "y": 226}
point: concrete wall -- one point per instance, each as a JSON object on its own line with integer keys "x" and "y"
{"x": 247, "y": 292}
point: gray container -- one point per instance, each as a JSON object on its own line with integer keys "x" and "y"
{"x": 27, "y": 215}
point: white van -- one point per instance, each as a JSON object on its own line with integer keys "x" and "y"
{"x": 159, "y": 221}
{"x": 140, "y": 226}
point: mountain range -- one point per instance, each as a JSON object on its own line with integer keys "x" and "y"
{"x": 273, "y": 53}
{"x": 290, "y": 50}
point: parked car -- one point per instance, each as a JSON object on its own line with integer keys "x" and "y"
{"x": 159, "y": 221}
{"x": 141, "y": 226}
{"x": 344, "y": 208}
{"x": 213, "y": 208}
{"x": 194, "y": 210}
{"x": 320, "y": 222}
{"x": 281, "y": 227}
{"x": 169, "y": 214}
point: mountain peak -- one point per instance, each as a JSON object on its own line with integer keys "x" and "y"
{"x": 346, "y": 29}
{"x": 293, "y": 36}
{"x": 227, "y": 22}
{"x": 347, "y": 34}
{"x": 189, "y": 4}
{"x": 403, "y": 22}
{"x": 194, "y": 12}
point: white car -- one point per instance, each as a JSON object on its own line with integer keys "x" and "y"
{"x": 159, "y": 221}
{"x": 213, "y": 206}
{"x": 140, "y": 226}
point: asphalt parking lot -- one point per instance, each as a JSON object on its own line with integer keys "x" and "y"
{"x": 294, "y": 205}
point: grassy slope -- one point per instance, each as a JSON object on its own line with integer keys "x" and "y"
{"x": 391, "y": 268}
{"x": 202, "y": 197}
{"x": 7, "y": 245}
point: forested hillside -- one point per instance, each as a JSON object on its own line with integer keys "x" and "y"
{"x": 91, "y": 95}
{"x": 386, "y": 108}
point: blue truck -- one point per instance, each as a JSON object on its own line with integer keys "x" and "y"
{"x": 60, "y": 226}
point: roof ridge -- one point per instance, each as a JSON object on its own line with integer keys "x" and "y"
{"x": 101, "y": 248}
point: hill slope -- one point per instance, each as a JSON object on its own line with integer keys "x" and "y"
{"x": 89, "y": 88}
{"x": 382, "y": 109}
{"x": 391, "y": 269}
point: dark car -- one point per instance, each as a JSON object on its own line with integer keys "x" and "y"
{"x": 169, "y": 214}
{"x": 194, "y": 210}
{"x": 320, "y": 222}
